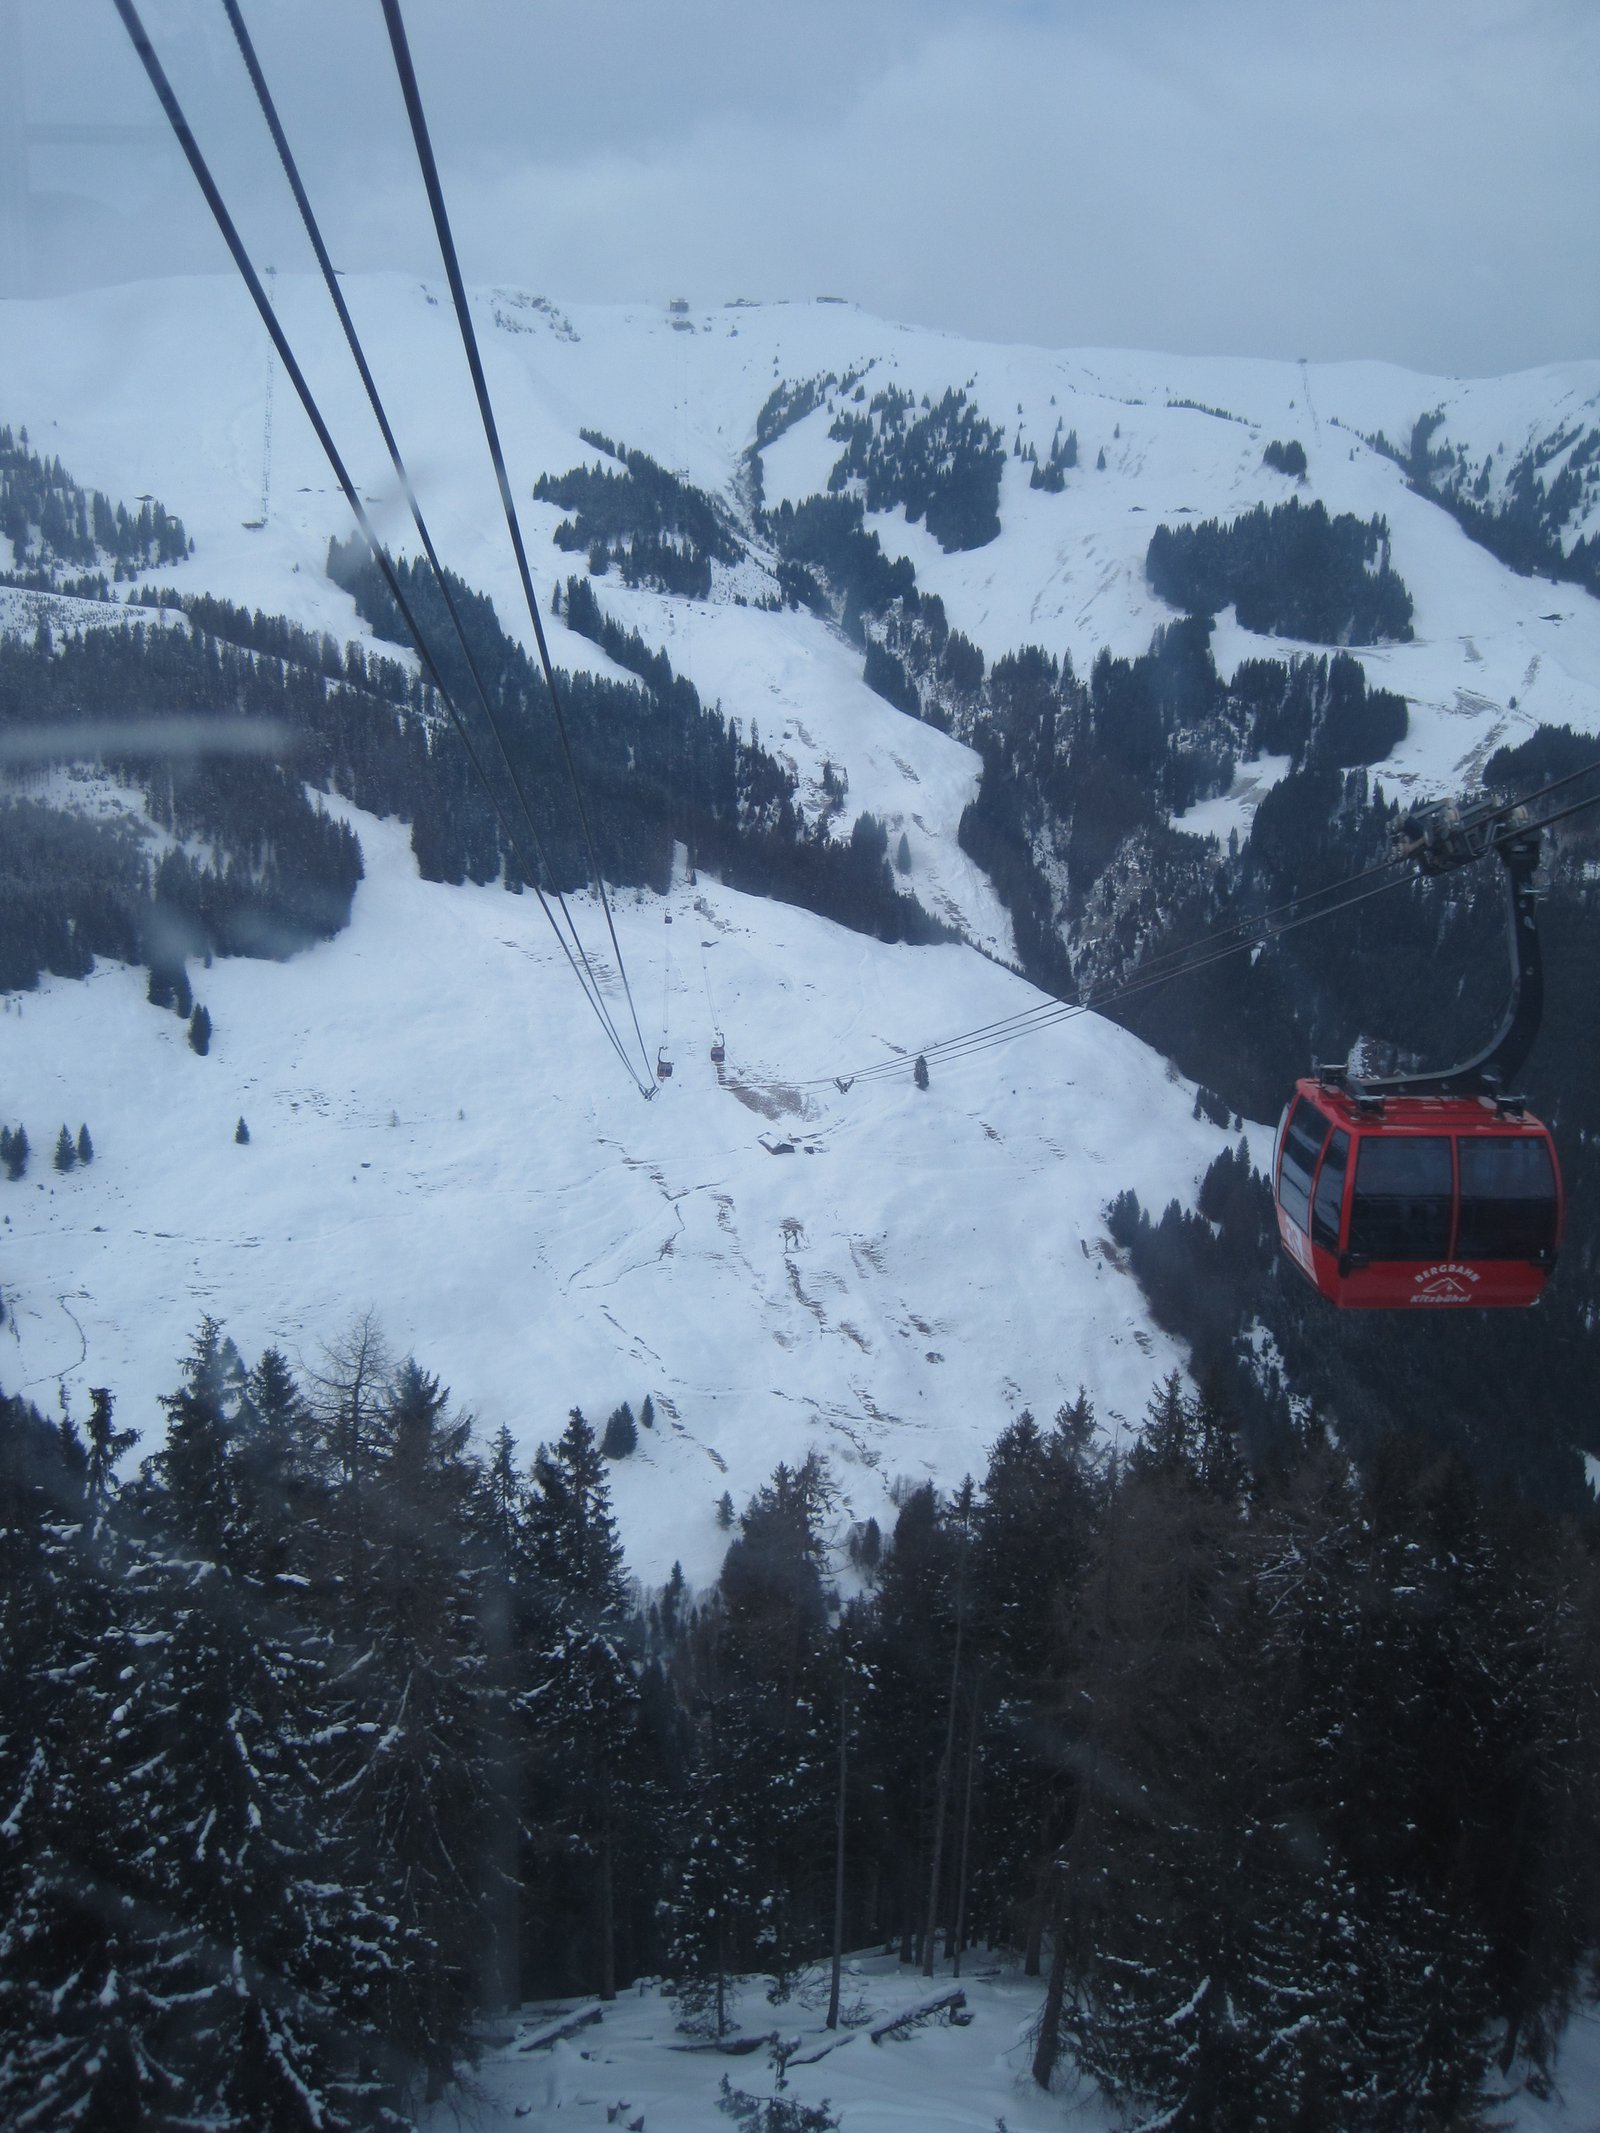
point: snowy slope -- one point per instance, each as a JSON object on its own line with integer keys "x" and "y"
{"x": 1067, "y": 571}
{"x": 438, "y": 1132}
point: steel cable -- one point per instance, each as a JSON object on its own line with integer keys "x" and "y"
{"x": 469, "y": 339}
{"x": 313, "y": 230}
{"x": 263, "y": 303}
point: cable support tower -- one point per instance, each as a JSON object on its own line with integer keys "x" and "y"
{"x": 330, "y": 278}
{"x": 705, "y": 979}
{"x": 184, "y": 135}
{"x": 469, "y": 341}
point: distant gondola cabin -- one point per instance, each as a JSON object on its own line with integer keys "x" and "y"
{"x": 1394, "y": 1202}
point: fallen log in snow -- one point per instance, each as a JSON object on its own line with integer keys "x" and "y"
{"x": 953, "y": 2000}
{"x": 730, "y": 2047}
{"x": 822, "y": 2050}
{"x": 566, "y": 2026}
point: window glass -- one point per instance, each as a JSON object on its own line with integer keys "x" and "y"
{"x": 1330, "y": 1194}
{"x": 1508, "y": 1198}
{"x": 1401, "y": 1208}
{"x": 1302, "y": 1144}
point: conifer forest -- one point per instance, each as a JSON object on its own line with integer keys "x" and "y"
{"x": 331, "y": 1727}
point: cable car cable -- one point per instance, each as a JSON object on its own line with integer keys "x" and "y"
{"x": 1043, "y": 1017}
{"x": 167, "y": 97}
{"x": 1181, "y": 962}
{"x": 1171, "y": 962}
{"x": 469, "y": 340}
{"x": 1145, "y": 981}
{"x": 1576, "y": 808}
{"x": 1539, "y": 792}
{"x": 987, "y": 1036}
{"x": 269, "y": 112}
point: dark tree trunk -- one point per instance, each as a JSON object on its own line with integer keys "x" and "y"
{"x": 838, "y": 1860}
{"x": 1049, "y": 2046}
{"x": 966, "y": 1845}
{"x": 945, "y": 1761}
{"x": 608, "y": 1915}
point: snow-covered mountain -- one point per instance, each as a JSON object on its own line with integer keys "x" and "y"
{"x": 438, "y": 1132}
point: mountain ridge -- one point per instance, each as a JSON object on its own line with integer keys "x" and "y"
{"x": 1066, "y": 566}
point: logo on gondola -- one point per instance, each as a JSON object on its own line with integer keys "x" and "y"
{"x": 1447, "y": 1283}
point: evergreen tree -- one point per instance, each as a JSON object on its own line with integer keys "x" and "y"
{"x": 919, "y": 1073}
{"x": 66, "y": 1154}
{"x": 1036, "y": 1522}
{"x": 74, "y": 1980}
{"x": 106, "y": 1446}
{"x": 192, "y": 1473}
{"x": 85, "y": 1146}
{"x": 866, "y": 1546}
{"x": 673, "y": 1599}
{"x": 755, "y": 1888}
{"x": 226, "y": 1703}
{"x": 241, "y": 1134}
{"x": 166, "y": 1824}
{"x": 621, "y": 1433}
{"x": 910, "y": 1653}
{"x": 580, "y": 1697}
{"x": 200, "y": 1031}
{"x": 1167, "y": 1904}
{"x": 573, "y": 1534}
{"x": 409, "y": 1751}
{"x": 16, "y": 1159}
{"x": 714, "y": 1886}
{"x": 276, "y": 1482}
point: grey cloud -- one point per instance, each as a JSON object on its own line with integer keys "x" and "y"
{"x": 1413, "y": 183}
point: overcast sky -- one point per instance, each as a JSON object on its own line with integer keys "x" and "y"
{"x": 1416, "y": 180}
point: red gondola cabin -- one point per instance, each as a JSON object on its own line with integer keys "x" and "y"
{"x": 1433, "y": 1189}
{"x": 1401, "y": 1202}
